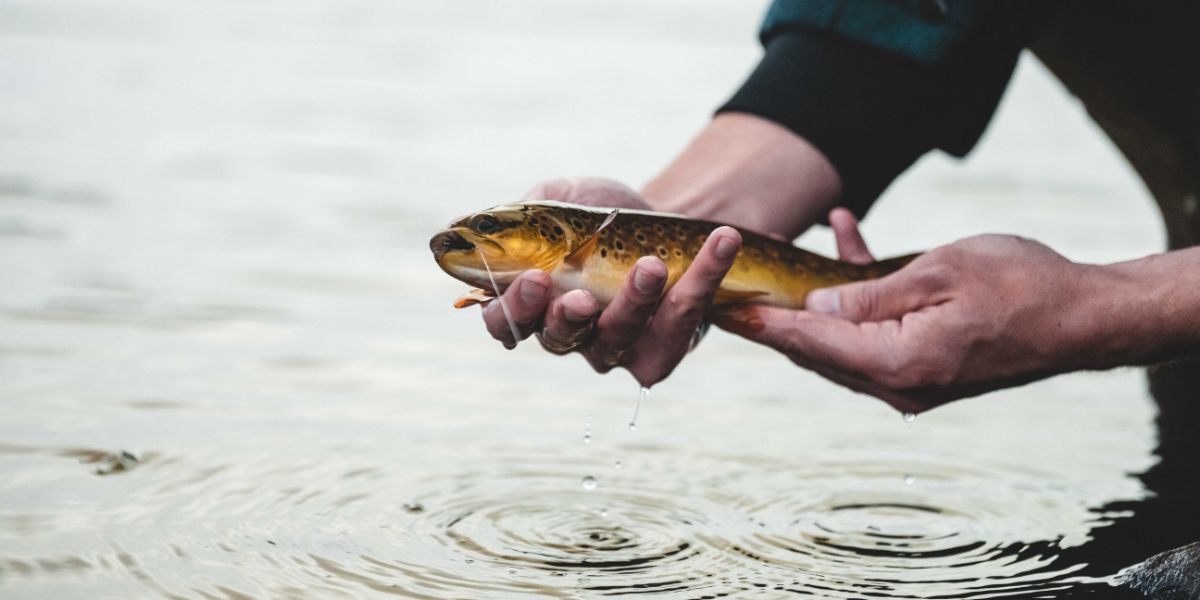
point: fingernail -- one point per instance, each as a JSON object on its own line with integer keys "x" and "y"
{"x": 825, "y": 301}
{"x": 726, "y": 247}
{"x": 645, "y": 281}
{"x": 574, "y": 308}
{"x": 532, "y": 290}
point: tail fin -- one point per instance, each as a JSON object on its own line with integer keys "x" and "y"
{"x": 886, "y": 266}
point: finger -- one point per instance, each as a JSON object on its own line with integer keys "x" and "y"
{"x": 674, "y": 324}
{"x": 850, "y": 243}
{"x": 625, "y": 319}
{"x": 754, "y": 323}
{"x": 568, "y": 321}
{"x": 875, "y": 300}
{"x": 902, "y": 401}
{"x": 526, "y": 301}
{"x": 863, "y": 351}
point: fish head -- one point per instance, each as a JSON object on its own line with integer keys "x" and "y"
{"x": 507, "y": 240}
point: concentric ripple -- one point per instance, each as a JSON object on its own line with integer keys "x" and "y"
{"x": 842, "y": 527}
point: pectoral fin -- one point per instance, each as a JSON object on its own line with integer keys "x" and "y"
{"x": 579, "y": 257}
{"x": 725, "y": 298}
{"x": 473, "y": 297}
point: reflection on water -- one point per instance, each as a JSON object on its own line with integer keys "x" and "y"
{"x": 229, "y": 368}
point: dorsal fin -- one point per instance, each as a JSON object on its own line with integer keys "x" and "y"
{"x": 579, "y": 256}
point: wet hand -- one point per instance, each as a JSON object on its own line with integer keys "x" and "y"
{"x": 636, "y": 331}
{"x": 980, "y": 314}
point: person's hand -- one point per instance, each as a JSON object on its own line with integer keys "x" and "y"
{"x": 635, "y": 331}
{"x": 980, "y": 314}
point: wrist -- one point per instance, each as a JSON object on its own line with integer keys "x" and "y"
{"x": 1142, "y": 312}
{"x": 750, "y": 172}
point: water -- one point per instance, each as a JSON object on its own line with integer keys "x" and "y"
{"x": 213, "y": 227}
{"x": 642, "y": 393}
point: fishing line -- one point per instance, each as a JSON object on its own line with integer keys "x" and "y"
{"x": 512, "y": 326}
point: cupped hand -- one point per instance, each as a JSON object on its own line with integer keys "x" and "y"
{"x": 980, "y": 314}
{"x": 641, "y": 330}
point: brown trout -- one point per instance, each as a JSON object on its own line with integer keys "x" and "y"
{"x": 594, "y": 248}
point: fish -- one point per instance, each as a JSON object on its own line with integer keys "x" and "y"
{"x": 593, "y": 249}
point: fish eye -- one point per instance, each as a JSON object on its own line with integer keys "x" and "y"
{"x": 485, "y": 224}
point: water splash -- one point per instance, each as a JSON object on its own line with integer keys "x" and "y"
{"x": 512, "y": 325}
{"x": 642, "y": 393}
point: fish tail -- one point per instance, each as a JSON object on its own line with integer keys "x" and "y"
{"x": 885, "y": 267}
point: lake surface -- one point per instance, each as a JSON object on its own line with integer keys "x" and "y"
{"x": 213, "y": 259}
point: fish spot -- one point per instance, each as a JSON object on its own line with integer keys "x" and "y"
{"x": 577, "y": 224}
{"x": 558, "y": 230}
{"x": 619, "y": 245}
{"x": 662, "y": 252}
{"x": 640, "y": 237}
{"x": 604, "y": 253}
{"x": 678, "y": 253}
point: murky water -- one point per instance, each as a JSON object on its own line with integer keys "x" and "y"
{"x": 229, "y": 368}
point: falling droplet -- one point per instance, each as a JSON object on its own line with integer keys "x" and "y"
{"x": 604, "y": 513}
{"x": 587, "y": 438}
{"x": 414, "y": 507}
{"x": 910, "y": 479}
{"x": 589, "y": 483}
{"x": 910, "y": 417}
{"x": 617, "y": 464}
{"x": 642, "y": 393}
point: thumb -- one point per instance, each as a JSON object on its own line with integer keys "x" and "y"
{"x": 882, "y": 299}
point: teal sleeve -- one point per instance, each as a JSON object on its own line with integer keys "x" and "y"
{"x": 922, "y": 30}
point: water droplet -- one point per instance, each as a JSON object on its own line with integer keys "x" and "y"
{"x": 642, "y": 393}
{"x": 589, "y": 483}
{"x": 604, "y": 513}
{"x": 414, "y": 507}
{"x": 587, "y": 438}
{"x": 910, "y": 417}
{"x": 910, "y": 479}
{"x": 617, "y": 464}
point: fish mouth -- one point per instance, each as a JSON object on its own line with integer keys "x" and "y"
{"x": 448, "y": 241}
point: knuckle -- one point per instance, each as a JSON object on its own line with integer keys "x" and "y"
{"x": 687, "y": 305}
{"x": 863, "y": 300}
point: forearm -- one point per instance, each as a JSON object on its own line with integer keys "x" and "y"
{"x": 1150, "y": 308}
{"x": 750, "y": 172}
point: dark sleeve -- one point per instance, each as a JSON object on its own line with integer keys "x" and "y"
{"x": 875, "y": 95}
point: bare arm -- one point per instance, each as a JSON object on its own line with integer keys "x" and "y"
{"x": 747, "y": 171}
{"x": 985, "y": 313}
